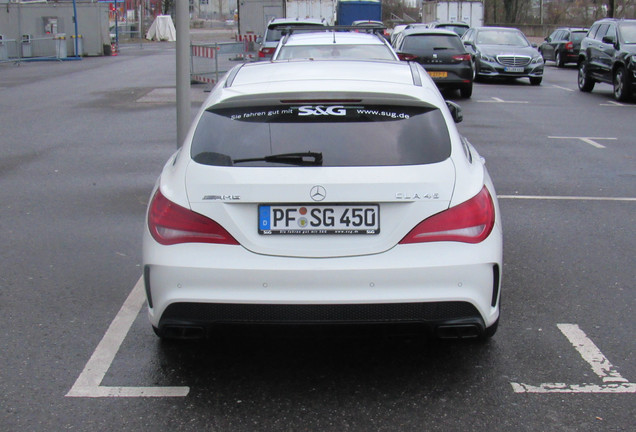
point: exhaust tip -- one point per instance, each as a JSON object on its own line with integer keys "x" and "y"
{"x": 182, "y": 332}
{"x": 459, "y": 331}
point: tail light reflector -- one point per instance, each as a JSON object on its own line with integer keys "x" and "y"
{"x": 406, "y": 57}
{"x": 170, "y": 224}
{"x": 263, "y": 52}
{"x": 569, "y": 46}
{"x": 462, "y": 57}
{"x": 469, "y": 222}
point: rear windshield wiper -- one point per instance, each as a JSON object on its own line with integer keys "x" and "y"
{"x": 300, "y": 159}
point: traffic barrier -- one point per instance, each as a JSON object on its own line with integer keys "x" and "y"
{"x": 247, "y": 37}
{"x": 210, "y": 60}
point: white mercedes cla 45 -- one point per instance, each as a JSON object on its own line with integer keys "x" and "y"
{"x": 324, "y": 192}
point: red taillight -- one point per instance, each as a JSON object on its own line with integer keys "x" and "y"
{"x": 569, "y": 46}
{"x": 263, "y": 52}
{"x": 170, "y": 224}
{"x": 469, "y": 222}
{"x": 462, "y": 57}
{"x": 406, "y": 57}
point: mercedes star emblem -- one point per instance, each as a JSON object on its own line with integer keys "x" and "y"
{"x": 318, "y": 193}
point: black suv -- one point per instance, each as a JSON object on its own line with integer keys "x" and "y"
{"x": 608, "y": 54}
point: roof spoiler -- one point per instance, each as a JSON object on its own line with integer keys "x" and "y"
{"x": 367, "y": 28}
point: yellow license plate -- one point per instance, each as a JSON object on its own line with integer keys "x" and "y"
{"x": 438, "y": 74}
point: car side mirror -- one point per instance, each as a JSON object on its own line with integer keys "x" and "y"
{"x": 456, "y": 111}
{"x": 547, "y": 39}
{"x": 534, "y": 45}
{"x": 609, "y": 40}
{"x": 259, "y": 40}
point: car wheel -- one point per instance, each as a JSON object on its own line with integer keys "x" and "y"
{"x": 586, "y": 83}
{"x": 535, "y": 80}
{"x": 466, "y": 90}
{"x": 558, "y": 59}
{"x": 622, "y": 87}
{"x": 476, "y": 72}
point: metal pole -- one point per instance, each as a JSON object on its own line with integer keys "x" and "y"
{"x": 116, "y": 27}
{"x": 77, "y": 54}
{"x": 183, "y": 71}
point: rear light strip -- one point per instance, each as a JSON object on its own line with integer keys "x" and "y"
{"x": 469, "y": 222}
{"x": 462, "y": 57}
{"x": 170, "y": 224}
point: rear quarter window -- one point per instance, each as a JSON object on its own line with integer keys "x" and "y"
{"x": 345, "y": 134}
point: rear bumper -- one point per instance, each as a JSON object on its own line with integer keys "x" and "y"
{"x": 200, "y": 285}
{"x": 458, "y": 75}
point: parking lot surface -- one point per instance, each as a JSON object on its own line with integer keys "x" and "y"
{"x": 82, "y": 144}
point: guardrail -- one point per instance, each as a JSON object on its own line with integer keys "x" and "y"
{"x": 209, "y": 61}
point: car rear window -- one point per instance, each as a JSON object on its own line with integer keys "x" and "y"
{"x": 578, "y": 36}
{"x": 336, "y": 51}
{"x": 345, "y": 134}
{"x": 275, "y": 32}
{"x": 460, "y": 30}
{"x": 428, "y": 44}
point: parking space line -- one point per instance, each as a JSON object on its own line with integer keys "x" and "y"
{"x": 562, "y": 88}
{"x": 565, "y": 198}
{"x": 499, "y": 100}
{"x": 588, "y": 140}
{"x": 88, "y": 384}
{"x": 612, "y": 103}
{"x": 612, "y": 379}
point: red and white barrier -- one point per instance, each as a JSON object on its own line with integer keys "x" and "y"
{"x": 246, "y": 37}
{"x": 202, "y": 51}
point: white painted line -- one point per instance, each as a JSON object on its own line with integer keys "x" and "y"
{"x": 499, "y": 100}
{"x": 588, "y": 140}
{"x": 612, "y": 379}
{"x": 565, "y": 198}
{"x": 616, "y": 104}
{"x": 562, "y": 88}
{"x": 88, "y": 384}
{"x": 590, "y": 353}
{"x": 574, "y": 388}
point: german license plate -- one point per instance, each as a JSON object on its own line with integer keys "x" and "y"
{"x": 319, "y": 219}
{"x": 436, "y": 74}
{"x": 513, "y": 69}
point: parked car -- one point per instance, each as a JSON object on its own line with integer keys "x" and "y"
{"x": 562, "y": 46}
{"x": 276, "y": 29}
{"x": 458, "y": 27}
{"x": 371, "y": 24}
{"x": 442, "y": 54}
{"x": 396, "y": 31}
{"x": 608, "y": 55}
{"x": 324, "y": 192}
{"x": 503, "y": 52}
{"x": 334, "y": 45}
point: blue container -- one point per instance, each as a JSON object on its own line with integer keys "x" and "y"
{"x": 355, "y": 10}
